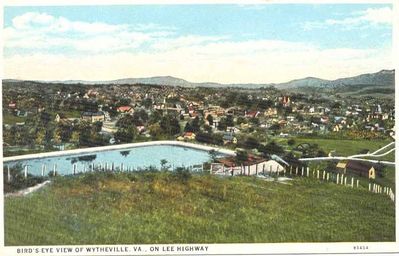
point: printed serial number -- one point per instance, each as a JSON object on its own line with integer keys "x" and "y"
{"x": 360, "y": 247}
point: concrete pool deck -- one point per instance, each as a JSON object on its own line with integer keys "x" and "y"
{"x": 119, "y": 147}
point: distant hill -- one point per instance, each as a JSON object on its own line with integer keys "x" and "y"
{"x": 384, "y": 78}
{"x": 381, "y": 78}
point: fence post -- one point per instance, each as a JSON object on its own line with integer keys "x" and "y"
{"x": 54, "y": 169}
{"x": 43, "y": 169}
{"x": 324, "y": 174}
{"x": 357, "y": 183}
{"x": 369, "y": 186}
{"x": 342, "y": 179}
{"x": 352, "y": 182}
{"x": 328, "y": 176}
{"x": 318, "y": 174}
{"x": 8, "y": 173}
{"x": 26, "y": 171}
{"x": 303, "y": 169}
{"x": 307, "y": 172}
{"x": 345, "y": 181}
{"x": 291, "y": 170}
{"x": 337, "y": 178}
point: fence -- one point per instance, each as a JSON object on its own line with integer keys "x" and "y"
{"x": 323, "y": 175}
{"x": 216, "y": 168}
{"x": 103, "y": 166}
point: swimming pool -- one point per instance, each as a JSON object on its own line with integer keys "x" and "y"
{"x": 127, "y": 158}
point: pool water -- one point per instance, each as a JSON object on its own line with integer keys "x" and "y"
{"x": 129, "y": 159}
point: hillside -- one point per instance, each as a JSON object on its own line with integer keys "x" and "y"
{"x": 381, "y": 78}
{"x": 161, "y": 207}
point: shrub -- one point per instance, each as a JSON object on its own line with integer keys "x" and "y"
{"x": 182, "y": 175}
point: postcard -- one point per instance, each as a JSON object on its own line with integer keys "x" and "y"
{"x": 198, "y": 128}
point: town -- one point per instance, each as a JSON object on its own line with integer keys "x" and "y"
{"x": 40, "y": 117}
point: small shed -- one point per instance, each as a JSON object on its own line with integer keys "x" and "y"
{"x": 359, "y": 168}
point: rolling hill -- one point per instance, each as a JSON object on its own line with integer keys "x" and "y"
{"x": 383, "y": 78}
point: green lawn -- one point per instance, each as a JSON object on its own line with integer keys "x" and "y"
{"x": 105, "y": 208}
{"x": 11, "y": 119}
{"x": 72, "y": 113}
{"x": 342, "y": 147}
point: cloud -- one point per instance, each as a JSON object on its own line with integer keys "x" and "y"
{"x": 259, "y": 61}
{"x": 40, "y": 46}
{"x": 44, "y": 32}
{"x": 360, "y": 19}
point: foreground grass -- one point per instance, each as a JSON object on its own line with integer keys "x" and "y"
{"x": 106, "y": 208}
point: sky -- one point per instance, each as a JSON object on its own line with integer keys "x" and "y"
{"x": 267, "y": 43}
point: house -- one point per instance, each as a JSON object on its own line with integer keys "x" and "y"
{"x": 270, "y": 112}
{"x": 22, "y": 113}
{"x": 251, "y": 114}
{"x": 229, "y": 137}
{"x": 359, "y": 168}
{"x": 125, "y": 109}
{"x": 140, "y": 128}
{"x": 272, "y": 166}
{"x": 324, "y": 119}
{"x": 189, "y": 135}
{"x": 60, "y": 117}
{"x": 12, "y": 105}
{"x": 93, "y": 117}
{"x": 233, "y": 129}
{"x": 252, "y": 166}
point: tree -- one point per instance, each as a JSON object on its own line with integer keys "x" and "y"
{"x": 75, "y": 137}
{"x": 40, "y": 136}
{"x": 195, "y": 125}
{"x": 155, "y": 130}
{"x": 140, "y": 117}
{"x": 125, "y": 122}
{"x": 126, "y": 135}
{"x": 241, "y": 120}
{"x": 213, "y": 155}
{"x": 155, "y": 117}
{"x": 272, "y": 148}
{"x": 164, "y": 167}
{"x": 222, "y": 124}
{"x": 251, "y": 143}
{"x": 170, "y": 125}
{"x": 209, "y": 118}
{"x": 230, "y": 121}
{"x": 208, "y": 129}
{"x": 204, "y": 137}
{"x": 291, "y": 142}
{"x": 147, "y": 103}
{"x": 241, "y": 156}
{"x": 57, "y": 136}
{"x": 188, "y": 127}
{"x": 97, "y": 126}
{"x": 254, "y": 121}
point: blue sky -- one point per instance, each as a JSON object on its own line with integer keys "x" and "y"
{"x": 221, "y": 43}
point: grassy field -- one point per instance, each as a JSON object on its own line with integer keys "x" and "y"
{"x": 148, "y": 207}
{"x": 11, "y": 119}
{"x": 342, "y": 147}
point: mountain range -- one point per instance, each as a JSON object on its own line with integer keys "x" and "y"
{"x": 384, "y": 78}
